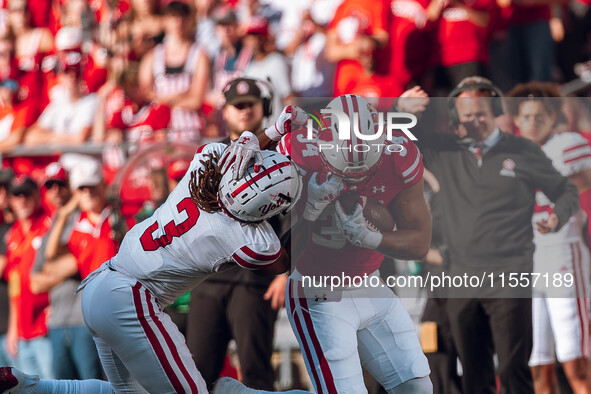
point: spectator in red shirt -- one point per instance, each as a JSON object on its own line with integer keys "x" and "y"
{"x": 357, "y": 30}
{"x": 463, "y": 34}
{"x": 412, "y": 41}
{"x": 27, "y": 328}
{"x": 31, "y": 46}
{"x": 92, "y": 61}
{"x": 91, "y": 240}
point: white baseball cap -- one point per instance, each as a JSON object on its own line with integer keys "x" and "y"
{"x": 87, "y": 173}
{"x": 68, "y": 38}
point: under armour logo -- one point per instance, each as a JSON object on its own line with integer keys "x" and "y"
{"x": 380, "y": 189}
{"x": 244, "y": 140}
{"x": 317, "y": 298}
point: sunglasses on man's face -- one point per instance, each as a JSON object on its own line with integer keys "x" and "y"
{"x": 51, "y": 184}
{"x": 242, "y": 106}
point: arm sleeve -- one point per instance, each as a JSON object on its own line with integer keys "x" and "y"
{"x": 256, "y": 257}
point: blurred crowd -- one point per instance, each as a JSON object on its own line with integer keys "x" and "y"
{"x": 125, "y": 76}
{"x": 135, "y": 72}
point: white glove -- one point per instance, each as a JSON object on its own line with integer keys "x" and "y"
{"x": 356, "y": 229}
{"x": 321, "y": 195}
{"x": 291, "y": 115}
{"x": 240, "y": 153}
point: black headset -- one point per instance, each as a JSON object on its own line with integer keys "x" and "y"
{"x": 267, "y": 95}
{"x": 496, "y": 99}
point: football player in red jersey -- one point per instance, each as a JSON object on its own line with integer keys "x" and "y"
{"x": 342, "y": 329}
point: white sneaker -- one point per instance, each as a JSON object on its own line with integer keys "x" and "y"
{"x": 228, "y": 385}
{"x": 12, "y": 380}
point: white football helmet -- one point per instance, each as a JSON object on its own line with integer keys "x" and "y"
{"x": 352, "y": 159}
{"x": 258, "y": 196}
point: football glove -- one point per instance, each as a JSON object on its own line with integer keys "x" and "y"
{"x": 291, "y": 115}
{"x": 356, "y": 229}
{"x": 240, "y": 153}
{"x": 321, "y": 195}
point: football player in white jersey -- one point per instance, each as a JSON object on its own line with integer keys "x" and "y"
{"x": 561, "y": 313}
{"x": 209, "y": 221}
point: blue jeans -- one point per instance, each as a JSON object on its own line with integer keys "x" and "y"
{"x": 34, "y": 357}
{"x": 5, "y": 359}
{"x": 74, "y": 353}
{"x": 531, "y": 52}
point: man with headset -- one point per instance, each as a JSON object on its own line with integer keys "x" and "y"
{"x": 488, "y": 184}
{"x": 237, "y": 304}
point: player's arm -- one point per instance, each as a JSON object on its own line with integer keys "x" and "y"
{"x": 54, "y": 246}
{"x": 54, "y": 273}
{"x": 412, "y": 237}
{"x": 263, "y": 262}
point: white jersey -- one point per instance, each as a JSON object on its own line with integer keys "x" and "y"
{"x": 570, "y": 153}
{"x": 179, "y": 245}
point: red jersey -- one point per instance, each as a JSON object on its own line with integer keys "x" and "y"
{"x": 353, "y": 18}
{"x": 328, "y": 252}
{"x": 21, "y": 252}
{"x": 412, "y": 40}
{"x": 460, "y": 39}
{"x": 92, "y": 243}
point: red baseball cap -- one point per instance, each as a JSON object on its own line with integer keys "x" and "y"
{"x": 55, "y": 172}
{"x": 258, "y": 25}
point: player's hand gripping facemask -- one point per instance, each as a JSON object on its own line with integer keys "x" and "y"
{"x": 356, "y": 229}
{"x": 241, "y": 152}
{"x": 320, "y": 195}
